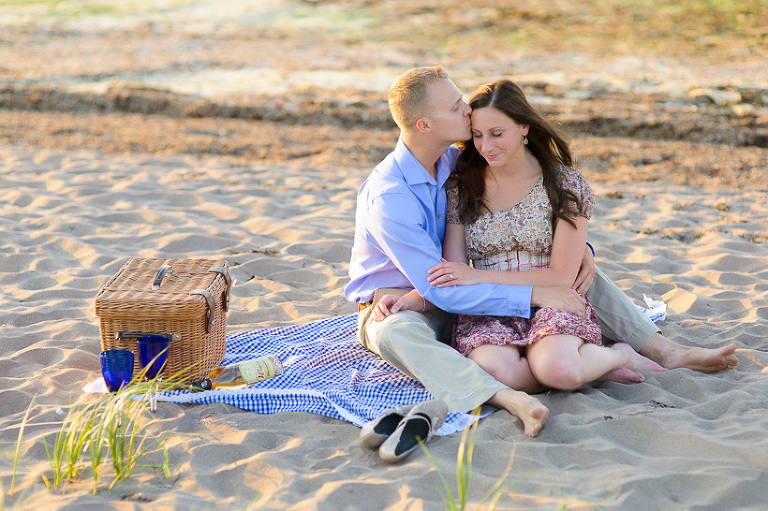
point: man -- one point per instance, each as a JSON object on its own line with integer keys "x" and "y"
{"x": 400, "y": 223}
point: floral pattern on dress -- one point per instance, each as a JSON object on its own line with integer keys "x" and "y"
{"x": 519, "y": 239}
{"x": 526, "y": 226}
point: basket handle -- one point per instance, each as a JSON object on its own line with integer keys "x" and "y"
{"x": 164, "y": 271}
{"x": 211, "y": 307}
{"x": 130, "y": 335}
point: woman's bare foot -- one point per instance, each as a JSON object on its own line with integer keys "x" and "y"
{"x": 673, "y": 356}
{"x": 635, "y": 362}
{"x": 525, "y": 407}
{"x": 622, "y": 375}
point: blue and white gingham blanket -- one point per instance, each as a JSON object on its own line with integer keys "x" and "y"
{"x": 327, "y": 371}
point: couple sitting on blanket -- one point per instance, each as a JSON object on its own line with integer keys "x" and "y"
{"x": 532, "y": 309}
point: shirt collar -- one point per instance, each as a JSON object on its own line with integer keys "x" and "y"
{"x": 414, "y": 172}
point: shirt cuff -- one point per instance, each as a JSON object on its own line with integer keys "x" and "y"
{"x": 520, "y": 301}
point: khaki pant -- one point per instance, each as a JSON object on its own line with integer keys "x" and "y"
{"x": 419, "y": 344}
{"x": 620, "y": 319}
{"x": 409, "y": 341}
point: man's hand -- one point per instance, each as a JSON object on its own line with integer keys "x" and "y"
{"x": 586, "y": 273}
{"x": 385, "y": 307}
{"x": 559, "y": 298}
{"x": 391, "y": 304}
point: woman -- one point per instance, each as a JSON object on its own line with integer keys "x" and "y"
{"x": 519, "y": 211}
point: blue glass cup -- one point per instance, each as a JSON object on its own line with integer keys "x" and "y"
{"x": 117, "y": 368}
{"x": 153, "y": 353}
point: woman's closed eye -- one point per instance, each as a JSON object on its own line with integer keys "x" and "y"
{"x": 494, "y": 134}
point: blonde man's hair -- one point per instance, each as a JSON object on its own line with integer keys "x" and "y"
{"x": 409, "y": 98}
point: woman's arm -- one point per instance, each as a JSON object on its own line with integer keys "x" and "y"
{"x": 567, "y": 254}
{"x": 454, "y": 249}
{"x": 455, "y": 244}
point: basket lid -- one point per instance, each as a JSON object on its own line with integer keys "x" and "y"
{"x": 154, "y": 287}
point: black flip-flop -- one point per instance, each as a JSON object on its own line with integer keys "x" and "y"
{"x": 375, "y": 432}
{"x": 420, "y": 423}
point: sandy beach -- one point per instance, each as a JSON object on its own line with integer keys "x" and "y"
{"x": 227, "y": 130}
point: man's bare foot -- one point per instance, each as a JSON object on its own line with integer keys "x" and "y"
{"x": 525, "y": 407}
{"x": 673, "y": 356}
{"x": 704, "y": 359}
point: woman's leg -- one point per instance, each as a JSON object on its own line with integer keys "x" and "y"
{"x": 566, "y": 362}
{"x": 507, "y": 365}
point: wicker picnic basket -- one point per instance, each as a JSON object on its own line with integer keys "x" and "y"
{"x": 185, "y": 299}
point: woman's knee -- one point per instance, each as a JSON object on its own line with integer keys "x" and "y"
{"x": 507, "y": 365}
{"x": 556, "y": 371}
{"x": 489, "y": 358}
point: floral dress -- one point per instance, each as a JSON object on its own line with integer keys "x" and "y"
{"x": 519, "y": 239}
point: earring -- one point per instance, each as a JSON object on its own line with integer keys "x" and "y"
{"x": 525, "y": 140}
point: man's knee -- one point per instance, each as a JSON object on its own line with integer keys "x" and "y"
{"x": 399, "y": 328}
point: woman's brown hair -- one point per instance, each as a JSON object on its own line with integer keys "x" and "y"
{"x": 545, "y": 141}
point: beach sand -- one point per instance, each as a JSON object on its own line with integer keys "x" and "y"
{"x": 105, "y": 156}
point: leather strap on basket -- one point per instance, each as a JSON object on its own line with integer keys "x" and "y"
{"x": 211, "y": 306}
{"x": 223, "y": 270}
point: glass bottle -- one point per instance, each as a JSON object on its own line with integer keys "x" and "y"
{"x": 241, "y": 374}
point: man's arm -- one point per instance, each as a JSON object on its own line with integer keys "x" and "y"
{"x": 554, "y": 297}
{"x": 587, "y": 271}
{"x": 559, "y": 298}
{"x": 396, "y": 226}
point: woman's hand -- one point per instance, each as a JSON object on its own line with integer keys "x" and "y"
{"x": 448, "y": 274}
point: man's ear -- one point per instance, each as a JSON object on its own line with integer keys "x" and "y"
{"x": 423, "y": 125}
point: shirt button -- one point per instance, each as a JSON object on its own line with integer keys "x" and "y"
{"x": 440, "y": 217}
{"x": 518, "y": 311}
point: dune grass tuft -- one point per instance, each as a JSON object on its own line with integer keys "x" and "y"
{"x": 113, "y": 428}
{"x": 464, "y": 470}
{"x": 490, "y": 500}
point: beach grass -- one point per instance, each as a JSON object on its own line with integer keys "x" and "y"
{"x": 17, "y": 450}
{"x": 114, "y": 428}
{"x": 464, "y": 471}
{"x": 488, "y": 502}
